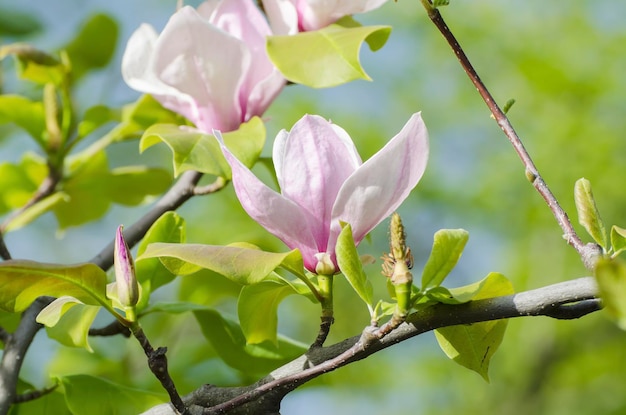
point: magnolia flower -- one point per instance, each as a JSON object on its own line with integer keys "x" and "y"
{"x": 323, "y": 182}
{"x": 209, "y": 64}
{"x": 126, "y": 282}
{"x": 305, "y": 15}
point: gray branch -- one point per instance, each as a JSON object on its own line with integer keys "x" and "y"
{"x": 565, "y": 300}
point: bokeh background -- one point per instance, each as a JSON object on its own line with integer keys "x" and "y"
{"x": 563, "y": 62}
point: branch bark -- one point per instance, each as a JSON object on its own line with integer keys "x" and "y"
{"x": 565, "y": 300}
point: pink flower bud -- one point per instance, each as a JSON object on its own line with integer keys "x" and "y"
{"x": 127, "y": 286}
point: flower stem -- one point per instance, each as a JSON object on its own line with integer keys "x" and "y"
{"x": 325, "y": 289}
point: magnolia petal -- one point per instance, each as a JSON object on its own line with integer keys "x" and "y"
{"x": 316, "y": 14}
{"x": 279, "y": 215}
{"x": 382, "y": 183}
{"x": 282, "y": 15}
{"x": 319, "y": 157}
{"x": 136, "y": 69}
{"x": 206, "y": 65}
{"x": 263, "y": 94}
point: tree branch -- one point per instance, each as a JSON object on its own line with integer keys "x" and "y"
{"x": 15, "y": 349}
{"x": 178, "y": 194}
{"x": 565, "y": 300}
{"x": 588, "y": 252}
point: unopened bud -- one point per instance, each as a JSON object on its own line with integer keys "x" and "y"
{"x": 127, "y": 286}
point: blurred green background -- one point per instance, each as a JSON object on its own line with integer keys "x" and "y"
{"x": 563, "y": 62}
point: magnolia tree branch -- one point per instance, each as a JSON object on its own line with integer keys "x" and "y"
{"x": 565, "y": 300}
{"x": 178, "y": 194}
{"x": 588, "y": 252}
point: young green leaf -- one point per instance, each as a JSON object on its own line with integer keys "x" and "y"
{"x": 93, "y": 46}
{"x": 243, "y": 265}
{"x": 588, "y": 215}
{"x": 92, "y": 187}
{"x": 151, "y": 273}
{"x": 91, "y": 395}
{"x": 257, "y": 308}
{"x": 195, "y": 150}
{"x": 18, "y": 182}
{"x": 618, "y": 239}
{"x": 35, "y": 65}
{"x": 26, "y": 114}
{"x": 611, "y": 277}
{"x": 351, "y": 267}
{"x": 228, "y": 340}
{"x": 68, "y": 320}
{"x": 326, "y": 57}
{"x": 448, "y": 246}
{"x": 473, "y": 345}
{"x": 22, "y": 281}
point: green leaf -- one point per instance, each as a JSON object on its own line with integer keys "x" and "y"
{"x": 94, "y": 118}
{"x": 240, "y": 264}
{"x": 350, "y": 265}
{"x": 325, "y": 57}
{"x": 195, "y": 150}
{"x": 18, "y": 182}
{"x": 35, "y": 65}
{"x": 151, "y": 273}
{"x": 95, "y": 396}
{"x": 258, "y": 310}
{"x": 588, "y": 215}
{"x": 448, "y": 246}
{"x": 34, "y": 211}
{"x": 93, "y": 46}
{"x": 22, "y": 281}
{"x": 611, "y": 278}
{"x": 144, "y": 113}
{"x": 91, "y": 188}
{"x": 473, "y": 345}
{"x": 26, "y": 114}
{"x": 68, "y": 320}
{"x": 229, "y": 342}
{"x": 618, "y": 239}
{"x": 17, "y": 23}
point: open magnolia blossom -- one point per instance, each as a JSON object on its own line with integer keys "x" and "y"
{"x": 209, "y": 65}
{"x": 305, "y": 15}
{"x": 323, "y": 182}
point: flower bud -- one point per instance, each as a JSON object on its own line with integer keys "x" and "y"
{"x": 127, "y": 286}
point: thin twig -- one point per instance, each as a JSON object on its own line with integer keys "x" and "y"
{"x": 111, "y": 329}
{"x": 531, "y": 170}
{"x": 36, "y": 394}
{"x": 4, "y": 251}
{"x": 217, "y": 185}
{"x": 157, "y": 361}
{"x": 46, "y": 188}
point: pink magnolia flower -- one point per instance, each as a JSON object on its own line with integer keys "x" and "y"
{"x": 305, "y": 15}
{"x": 324, "y": 182}
{"x": 209, "y": 65}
